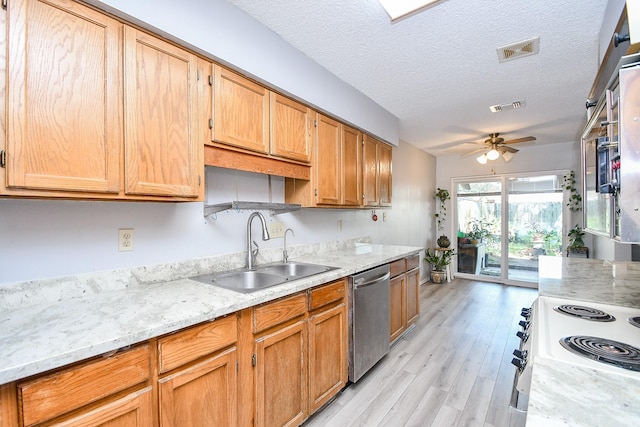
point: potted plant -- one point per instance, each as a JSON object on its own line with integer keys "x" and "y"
{"x": 477, "y": 230}
{"x": 442, "y": 195}
{"x": 439, "y": 260}
{"x": 576, "y": 244}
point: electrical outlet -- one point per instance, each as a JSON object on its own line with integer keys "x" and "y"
{"x": 125, "y": 239}
{"x": 276, "y": 229}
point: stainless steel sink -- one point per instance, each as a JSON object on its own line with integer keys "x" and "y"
{"x": 294, "y": 269}
{"x": 246, "y": 281}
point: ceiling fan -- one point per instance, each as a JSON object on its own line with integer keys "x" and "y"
{"x": 495, "y": 145}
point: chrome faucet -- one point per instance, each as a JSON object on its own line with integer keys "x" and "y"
{"x": 252, "y": 253}
{"x": 285, "y": 255}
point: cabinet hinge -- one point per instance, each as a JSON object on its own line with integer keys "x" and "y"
{"x": 199, "y": 181}
{"x": 362, "y": 141}
{"x": 4, "y": 4}
{"x": 210, "y": 123}
{"x": 3, "y": 159}
{"x": 198, "y": 75}
{"x": 315, "y": 123}
{"x": 315, "y": 192}
{"x": 237, "y": 366}
{"x": 254, "y": 360}
{"x": 211, "y": 80}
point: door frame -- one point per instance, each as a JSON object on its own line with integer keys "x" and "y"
{"x": 504, "y": 225}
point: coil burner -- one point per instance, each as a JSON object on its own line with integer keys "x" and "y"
{"x": 635, "y": 321}
{"x": 604, "y": 350}
{"x": 582, "y": 312}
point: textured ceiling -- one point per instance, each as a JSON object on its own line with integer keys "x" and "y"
{"x": 438, "y": 70}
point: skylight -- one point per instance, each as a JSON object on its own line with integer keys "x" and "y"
{"x": 400, "y": 8}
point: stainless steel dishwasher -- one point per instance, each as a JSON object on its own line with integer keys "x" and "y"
{"x": 368, "y": 320}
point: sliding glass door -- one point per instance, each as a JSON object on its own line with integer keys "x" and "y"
{"x": 535, "y": 223}
{"x": 505, "y": 223}
{"x": 479, "y": 212}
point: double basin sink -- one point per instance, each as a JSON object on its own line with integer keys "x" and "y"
{"x": 245, "y": 280}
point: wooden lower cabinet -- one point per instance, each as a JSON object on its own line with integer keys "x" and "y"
{"x": 328, "y": 364}
{"x": 413, "y": 295}
{"x": 90, "y": 391}
{"x": 198, "y": 375}
{"x": 404, "y": 295}
{"x": 301, "y": 361}
{"x": 134, "y": 410}
{"x": 281, "y": 379}
{"x": 397, "y": 306}
{"x": 201, "y": 395}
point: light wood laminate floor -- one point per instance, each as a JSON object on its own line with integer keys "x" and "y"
{"x": 453, "y": 369}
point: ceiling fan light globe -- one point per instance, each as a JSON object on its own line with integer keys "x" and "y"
{"x": 493, "y": 154}
{"x": 482, "y": 159}
{"x": 507, "y": 156}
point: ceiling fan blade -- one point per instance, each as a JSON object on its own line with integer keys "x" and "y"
{"x": 470, "y": 153}
{"x": 517, "y": 140}
{"x": 504, "y": 148}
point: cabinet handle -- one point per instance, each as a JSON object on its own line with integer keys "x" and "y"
{"x": 254, "y": 360}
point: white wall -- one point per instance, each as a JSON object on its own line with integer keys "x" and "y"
{"x": 222, "y": 32}
{"x": 48, "y": 238}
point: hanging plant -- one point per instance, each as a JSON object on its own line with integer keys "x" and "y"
{"x": 575, "y": 199}
{"x": 442, "y": 195}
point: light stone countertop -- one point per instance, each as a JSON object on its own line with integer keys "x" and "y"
{"x": 566, "y": 395}
{"x": 48, "y": 325}
{"x": 583, "y": 279}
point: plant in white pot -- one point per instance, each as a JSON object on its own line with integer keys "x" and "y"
{"x": 439, "y": 261}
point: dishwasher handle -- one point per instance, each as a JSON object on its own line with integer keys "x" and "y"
{"x": 371, "y": 282}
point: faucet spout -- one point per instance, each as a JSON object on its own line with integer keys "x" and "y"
{"x": 252, "y": 253}
{"x": 285, "y": 255}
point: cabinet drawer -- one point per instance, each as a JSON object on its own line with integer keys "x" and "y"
{"x": 413, "y": 262}
{"x": 398, "y": 267}
{"x": 326, "y": 294}
{"x": 274, "y": 313}
{"x": 192, "y": 343}
{"x": 62, "y": 391}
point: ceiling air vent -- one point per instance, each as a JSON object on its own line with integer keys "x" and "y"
{"x": 518, "y": 50}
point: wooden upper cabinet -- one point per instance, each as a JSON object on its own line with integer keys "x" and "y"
{"x": 385, "y": 182}
{"x": 240, "y": 111}
{"x": 161, "y": 131}
{"x": 291, "y": 128}
{"x": 370, "y": 176}
{"x": 64, "y": 87}
{"x": 351, "y": 167}
{"x": 376, "y": 172}
{"x": 328, "y": 162}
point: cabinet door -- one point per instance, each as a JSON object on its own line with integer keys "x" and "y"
{"x": 291, "y": 128}
{"x": 202, "y": 395}
{"x": 351, "y": 167}
{"x": 397, "y": 306}
{"x": 370, "y": 176}
{"x": 161, "y": 129}
{"x": 240, "y": 111}
{"x": 327, "y": 162}
{"x": 327, "y": 355}
{"x": 413, "y": 295}
{"x": 134, "y": 410}
{"x": 384, "y": 170}
{"x": 64, "y": 120}
{"x": 55, "y": 394}
{"x": 281, "y": 377}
